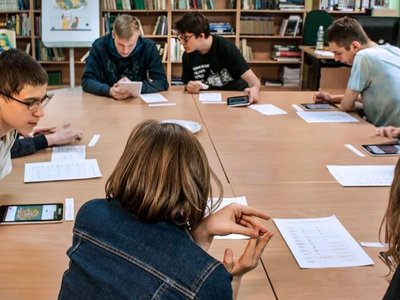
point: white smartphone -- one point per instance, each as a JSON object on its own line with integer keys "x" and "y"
{"x": 31, "y": 213}
{"x": 134, "y": 87}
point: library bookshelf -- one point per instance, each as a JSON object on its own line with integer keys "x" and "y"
{"x": 222, "y": 11}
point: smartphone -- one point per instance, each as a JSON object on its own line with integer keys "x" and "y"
{"x": 386, "y": 149}
{"x": 31, "y": 213}
{"x": 238, "y": 101}
{"x": 134, "y": 87}
{"x": 318, "y": 106}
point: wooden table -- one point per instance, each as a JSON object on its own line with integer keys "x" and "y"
{"x": 277, "y": 162}
{"x": 32, "y": 257}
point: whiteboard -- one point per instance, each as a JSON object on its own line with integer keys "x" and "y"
{"x": 70, "y": 23}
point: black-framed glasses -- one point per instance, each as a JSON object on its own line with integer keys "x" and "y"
{"x": 31, "y": 103}
{"x": 185, "y": 38}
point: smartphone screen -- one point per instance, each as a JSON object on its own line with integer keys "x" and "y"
{"x": 318, "y": 106}
{"x": 31, "y": 213}
{"x": 383, "y": 149}
{"x": 238, "y": 101}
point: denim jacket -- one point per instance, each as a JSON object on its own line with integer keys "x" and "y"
{"x": 115, "y": 256}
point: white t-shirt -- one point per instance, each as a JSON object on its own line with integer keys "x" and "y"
{"x": 6, "y": 143}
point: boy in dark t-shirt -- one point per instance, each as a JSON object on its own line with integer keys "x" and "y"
{"x": 212, "y": 60}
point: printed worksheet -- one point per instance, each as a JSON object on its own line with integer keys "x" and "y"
{"x": 326, "y": 117}
{"x": 66, "y": 170}
{"x": 68, "y": 153}
{"x": 321, "y": 243}
{"x": 268, "y": 109}
{"x": 153, "y": 98}
{"x": 365, "y": 175}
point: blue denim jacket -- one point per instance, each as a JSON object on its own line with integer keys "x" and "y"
{"x": 115, "y": 256}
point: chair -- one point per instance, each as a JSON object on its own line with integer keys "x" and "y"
{"x": 314, "y": 19}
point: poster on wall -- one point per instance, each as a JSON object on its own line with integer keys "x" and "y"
{"x": 70, "y": 23}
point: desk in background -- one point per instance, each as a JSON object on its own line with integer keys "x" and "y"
{"x": 321, "y": 72}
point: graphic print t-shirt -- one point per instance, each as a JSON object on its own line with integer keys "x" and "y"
{"x": 220, "y": 68}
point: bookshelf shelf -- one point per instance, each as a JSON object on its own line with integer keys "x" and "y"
{"x": 272, "y": 37}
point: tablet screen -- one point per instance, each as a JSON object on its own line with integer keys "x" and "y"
{"x": 383, "y": 149}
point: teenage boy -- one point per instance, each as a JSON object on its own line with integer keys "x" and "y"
{"x": 123, "y": 55}
{"x": 375, "y": 73}
{"x": 212, "y": 60}
{"x": 23, "y": 83}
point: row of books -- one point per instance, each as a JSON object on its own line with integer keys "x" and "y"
{"x": 290, "y": 26}
{"x": 345, "y": 5}
{"x": 291, "y": 4}
{"x": 48, "y": 53}
{"x": 290, "y": 76}
{"x": 133, "y": 4}
{"x": 10, "y": 5}
{"x": 286, "y": 53}
{"x": 221, "y": 28}
{"x": 20, "y": 23}
{"x": 192, "y": 4}
{"x": 246, "y": 50}
{"x": 176, "y": 50}
{"x": 257, "y": 25}
{"x": 107, "y": 21}
{"x": 161, "y": 27}
{"x": 259, "y": 4}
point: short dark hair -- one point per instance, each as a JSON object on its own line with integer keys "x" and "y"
{"x": 344, "y": 31}
{"x": 18, "y": 70}
{"x": 193, "y": 22}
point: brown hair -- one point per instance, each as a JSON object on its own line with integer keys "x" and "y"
{"x": 125, "y": 26}
{"x": 344, "y": 31}
{"x": 18, "y": 70}
{"x": 391, "y": 223}
{"x": 193, "y": 22}
{"x": 163, "y": 174}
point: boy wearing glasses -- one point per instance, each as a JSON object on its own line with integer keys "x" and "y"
{"x": 212, "y": 60}
{"x": 23, "y": 84}
{"x": 123, "y": 55}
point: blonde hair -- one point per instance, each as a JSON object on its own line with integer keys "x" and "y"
{"x": 125, "y": 26}
{"x": 391, "y": 223}
{"x": 163, "y": 174}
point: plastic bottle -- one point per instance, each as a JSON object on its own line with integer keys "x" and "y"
{"x": 320, "y": 39}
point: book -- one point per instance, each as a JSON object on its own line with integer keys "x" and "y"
{"x": 4, "y": 43}
{"x": 292, "y": 26}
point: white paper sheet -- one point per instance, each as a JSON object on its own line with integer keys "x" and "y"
{"x": 226, "y": 201}
{"x": 94, "y": 140}
{"x": 297, "y": 107}
{"x": 326, "y": 117}
{"x": 210, "y": 97}
{"x": 373, "y": 244}
{"x": 268, "y": 109}
{"x": 153, "y": 98}
{"x": 68, "y": 153}
{"x": 162, "y": 104}
{"x": 69, "y": 214}
{"x": 67, "y": 170}
{"x": 364, "y": 175}
{"x": 354, "y": 150}
{"x": 321, "y": 243}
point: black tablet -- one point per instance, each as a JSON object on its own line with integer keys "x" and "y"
{"x": 318, "y": 106}
{"x": 387, "y": 149}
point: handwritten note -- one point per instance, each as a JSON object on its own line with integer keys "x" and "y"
{"x": 365, "y": 175}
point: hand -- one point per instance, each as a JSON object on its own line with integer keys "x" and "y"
{"x": 194, "y": 87}
{"x": 63, "y": 135}
{"x": 124, "y": 79}
{"x": 322, "y": 96}
{"x": 389, "y": 131}
{"x": 249, "y": 258}
{"x": 118, "y": 94}
{"x": 253, "y": 93}
{"x": 42, "y": 130}
{"x": 233, "y": 218}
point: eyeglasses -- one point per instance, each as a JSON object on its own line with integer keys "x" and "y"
{"x": 31, "y": 103}
{"x": 185, "y": 38}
